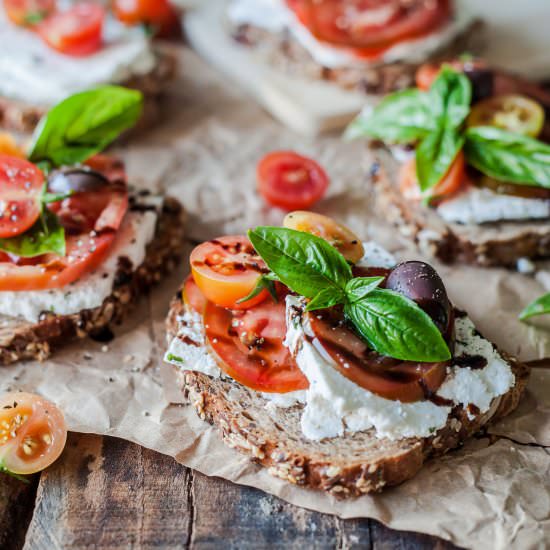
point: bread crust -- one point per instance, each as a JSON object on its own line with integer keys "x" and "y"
{"x": 487, "y": 245}
{"x": 20, "y": 340}
{"x": 359, "y": 465}
{"x": 19, "y": 116}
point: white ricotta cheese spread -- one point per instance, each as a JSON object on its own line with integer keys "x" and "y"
{"x": 275, "y": 16}
{"x": 478, "y": 205}
{"x": 335, "y": 404}
{"x": 136, "y": 231}
{"x": 32, "y": 72}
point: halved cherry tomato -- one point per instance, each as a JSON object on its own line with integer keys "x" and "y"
{"x": 9, "y": 146}
{"x": 76, "y": 31}
{"x": 389, "y": 378}
{"x": 291, "y": 181}
{"x": 370, "y": 26}
{"x": 21, "y": 185}
{"x": 515, "y": 113}
{"x": 192, "y": 296}
{"x": 428, "y": 72}
{"x": 250, "y": 346}
{"x": 452, "y": 181}
{"x": 28, "y": 12}
{"x": 33, "y": 433}
{"x": 227, "y": 269}
{"x": 337, "y": 234}
{"x": 159, "y": 14}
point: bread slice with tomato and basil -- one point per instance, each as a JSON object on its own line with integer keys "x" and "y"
{"x": 74, "y": 50}
{"x": 373, "y": 48}
{"x": 465, "y": 167}
{"x": 78, "y": 245}
{"x": 332, "y": 366}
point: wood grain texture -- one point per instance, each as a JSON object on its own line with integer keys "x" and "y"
{"x": 107, "y": 493}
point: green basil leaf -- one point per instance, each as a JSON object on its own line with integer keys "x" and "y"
{"x": 359, "y": 287}
{"x": 305, "y": 263}
{"x": 540, "y": 306}
{"x": 265, "y": 282}
{"x": 84, "y": 124}
{"x": 401, "y": 117}
{"x": 45, "y": 236}
{"x": 450, "y": 97}
{"x": 327, "y": 298}
{"x": 435, "y": 154}
{"x": 507, "y": 156}
{"x": 394, "y": 325}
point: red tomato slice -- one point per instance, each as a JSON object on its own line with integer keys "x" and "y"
{"x": 428, "y": 72}
{"x": 21, "y": 186}
{"x": 227, "y": 269}
{"x": 28, "y": 12}
{"x": 389, "y": 378}
{"x": 159, "y": 14}
{"x": 291, "y": 181}
{"x": 33, "y": 433}
{"x": 192, "y": 296}
{"x": 250, "y": 347}
{"x": 76, "y": 31}
{"x": 370, "y": 26}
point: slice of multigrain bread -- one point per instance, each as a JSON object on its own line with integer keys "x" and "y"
{"x": 18, "y": 116}
{"x": 488, "y": 244}
{"x": 353, "y": 465}
{"x": 20, "y": 339}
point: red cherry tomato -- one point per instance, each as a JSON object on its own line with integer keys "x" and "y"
{"x": 291, "y": 181}
{"x": 370, "y": 26}
{"x": 75, "y": 32}
{"x": 250, "y": 346}
{"x": 28, "y": 12}
{"x": 158, "y": 14}
{"x": 21, "y": 185}
{"x": 428, "y": 72}
{"x": 226, "y": 270}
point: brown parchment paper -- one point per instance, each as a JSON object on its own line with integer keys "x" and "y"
{"x": 492, "y": 493}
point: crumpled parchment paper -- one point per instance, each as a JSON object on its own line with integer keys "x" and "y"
{"x": 492, "y": 493}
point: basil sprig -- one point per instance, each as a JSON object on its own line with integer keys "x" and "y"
{"x": 84, "y": 124}
{"x": 434, "y": 121}
{"x": 392, "y": 324}
{"x": 540, "y": 306}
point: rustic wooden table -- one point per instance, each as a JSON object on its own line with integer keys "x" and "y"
{"x": 108, "y": 493}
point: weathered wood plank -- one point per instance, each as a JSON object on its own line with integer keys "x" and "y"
{"x": 16, "y": 505}
{"x": 387, "y": 539}
{"x": 107, "y": 493}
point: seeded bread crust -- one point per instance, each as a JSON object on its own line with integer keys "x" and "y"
{"x": 21, "y": 340}
{"x": 18, "y": 116}
{"x": 358, "y": 464}
{"x": 281, "y": 50}
{"x": 489, "y": 244}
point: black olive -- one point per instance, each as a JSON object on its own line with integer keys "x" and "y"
{"x": 482, "y": 79}
{"x": 420, "y": 282}
{"x": 77, "y": 180}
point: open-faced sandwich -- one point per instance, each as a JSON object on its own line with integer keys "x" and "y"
{"x": 77, "y": 245}
{"x": 371, "y": 45}
{"x": 49, "y": 53}
{"x": 466, "y": 167}
{"x": 327, "y": 362}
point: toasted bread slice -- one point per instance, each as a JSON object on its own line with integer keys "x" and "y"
{"x": 488, "y": 244}
{"x": 21, "y": 339}
{"x": 283, "y": 51}
{"x": 19, "y": 116}
{"x": 355, "y": 464}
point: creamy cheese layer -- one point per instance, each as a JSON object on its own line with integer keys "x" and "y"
{"x": 334, "y": 404}
{"x": 275, "y": 16}
{"x": 478, "y": 205}
{"x": 32, "y": 72}
{"x": 136, "y": 231}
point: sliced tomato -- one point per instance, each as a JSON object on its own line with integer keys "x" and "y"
{"x": 33, "y": 433}
{"x": 250, "y": 346}
{"x": 389, "y": 378}
{"x": 21, "y": 185}
{"x": 192, "y": 296}
{"x": 28, "y": 12}
{"x": 158, "y": 14}
{"x": 227, "y": 269}
{"x": 76, "y": 31}
{"x": 428, "y": 72}
{"x": 370, "y": 26}
{"x": 454, "y": 180}
{"x": 291, "y": 181}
